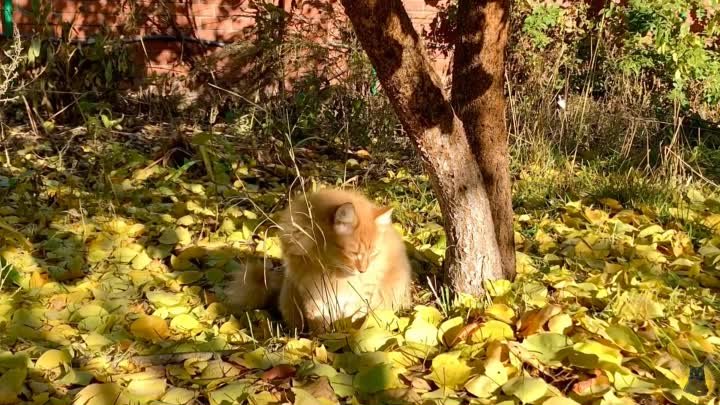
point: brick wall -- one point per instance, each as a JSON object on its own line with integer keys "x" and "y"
{"x": 213, "y": 20}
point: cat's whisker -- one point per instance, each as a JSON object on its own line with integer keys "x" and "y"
{"x": 345, "y": 269}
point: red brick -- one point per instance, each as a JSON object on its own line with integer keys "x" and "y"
{"x": 26, "y": 28}
{"x": 100, "y": 7}
{"x": 163, "y": 8}
{"x": 157, "y": 24}
{"x": 412, "y": 5}
{"x": 204, "y": 10}
{"x": 214, "y": 23}
{"x": 63, "y": 6}
{"x": 238, "y": 14}
{"x": 81, "y": 19}
{"x": 182, "y": 21}
{"x": 162, "y": 53}
{"x": 20, "y": 17}
{"x": 84, "y": 32}
{"x": 242, "y": 23}
{"x": 209, "y": 35}
{"x": 224, "y": 20}
{"x": 426, "y": 13}
{"x": 234, "y": 8}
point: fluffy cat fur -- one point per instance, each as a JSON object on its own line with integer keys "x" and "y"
{"x": 342, "y": 257}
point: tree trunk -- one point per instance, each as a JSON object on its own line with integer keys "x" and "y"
{"x": 396, "y": 52}
{"x": 479, "y": 99}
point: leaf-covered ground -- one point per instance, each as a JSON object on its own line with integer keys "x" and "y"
{"x": 115, "y": 250}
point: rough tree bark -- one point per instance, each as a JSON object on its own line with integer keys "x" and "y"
{"x": 479, "y": 100}
{"x": 396, "y": 51}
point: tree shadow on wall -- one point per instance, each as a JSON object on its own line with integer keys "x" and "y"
{"x": 214, "y": 50}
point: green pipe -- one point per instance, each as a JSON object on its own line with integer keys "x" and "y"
{"x": 7, "y": 22}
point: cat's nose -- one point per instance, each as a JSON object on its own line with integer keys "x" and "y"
{"x": 361, "y": 264}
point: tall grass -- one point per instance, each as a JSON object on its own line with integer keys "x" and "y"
{"x": 570, "y": 110}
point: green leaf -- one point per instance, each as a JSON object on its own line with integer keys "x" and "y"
{"x": 381, "y": 318}
{"x": 609, "y": 398}
{"x": 632, "y": 383}
{"x": 235, "y": 393}
{"x": 263, "y": 359}
{"x": 183, "y": 235}
{"x": 377, "y": 378}
{"x": 497, "y": 288}
{"x": 169, "y": 237}
{"x": 501, "y": 312}
{"x": 449, "y": 329}
{"x": 650, "y": 230}
{"x": 141, "y": 261}
{"x": 96, "y": 341}
{"x": 11, "y": 385}
{"x": 53, "y": 360}
{"x": 626, "y": 338}
{"x": 147, "y": 390}
{"x": 101, "y": 394}
{"x": 184, "y": 323}
{"x": 640, "y": 307}
{"x": 444, "y": 396}
{"x": 559, "y": 401}
{"x": 125, "y": 254}
{"x": 189, "y": 277}
{"x": 484, "y": 386}
{"x": 218, "y": 369}
{"x": 493, "y": 330}
{"x": 549, "y": 348}
{"x": 420, "y": 331}
{"x": 370, "y": 339}
{"x": 9, "y": 360}
{"x": 76, "y": 377}
{"x": 215, "y": 276}
{"x": 89, "y": 310}
{"x": 591, "y": 354}
{"x": 186, "y": 220}
{"x": 303, "y": 397}
{"x": 163, "y": 298}
{"x": 430, "y": 315}
{"x": 342, "y": 384}
{"x": 320, "y": 370}
{"x": 449, "y": 370}
{"x": 528, "y": 390}
{"x": 150, "y": 328}
{"x": 560, "y": 323}
{"x": 178, "y": 396}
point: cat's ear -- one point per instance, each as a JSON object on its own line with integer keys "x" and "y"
{"x": 383, "y": 216}
{"x": 345, "y": 219}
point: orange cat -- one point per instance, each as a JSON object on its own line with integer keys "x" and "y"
{"x": 342, "y": 258}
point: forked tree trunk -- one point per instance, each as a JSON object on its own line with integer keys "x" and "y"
{"x": 479, "y": 99}
{"x": 396, "y": 51}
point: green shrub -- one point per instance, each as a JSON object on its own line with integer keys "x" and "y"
{"x": 671, "y": 45}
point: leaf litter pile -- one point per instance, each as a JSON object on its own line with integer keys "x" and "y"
{"x": 114, "y": 257}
